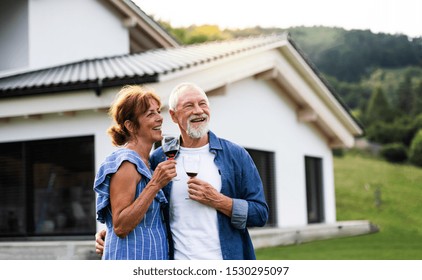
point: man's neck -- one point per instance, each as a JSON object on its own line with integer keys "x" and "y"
{"x": 189, "y": 142}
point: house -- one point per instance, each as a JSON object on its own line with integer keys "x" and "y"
{"x": 264, "y": 95}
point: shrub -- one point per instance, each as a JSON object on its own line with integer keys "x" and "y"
{"x": 415, "y": 153}
{"x": 394, "y": 152}
{"x": 338, "y": 152}
{"x": 416, "y": 124}
{"x": 386, "y": 133}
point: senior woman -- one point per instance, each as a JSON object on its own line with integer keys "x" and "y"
{"x": 129, "y": 195}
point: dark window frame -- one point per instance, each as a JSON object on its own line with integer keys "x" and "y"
{"x": 314, "y": 189}
{"x": 265, "y": 163}
{"x": 55, "y": 175}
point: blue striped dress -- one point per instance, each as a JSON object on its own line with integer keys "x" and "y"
{"x": 148, "y": 241}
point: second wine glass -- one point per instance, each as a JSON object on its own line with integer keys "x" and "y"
{"x": 191, "y": 164}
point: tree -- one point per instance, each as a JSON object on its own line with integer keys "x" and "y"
{"x": 390, "y": 132}
{"x": 415, "y": 152}
{"x": 404, "y": 94}
{"x": 378, "y": 109}
{"x": 417, "y": 100}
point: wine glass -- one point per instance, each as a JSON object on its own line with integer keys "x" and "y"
{"x": 191, "y": 165}
{"x": 170, "y": 145}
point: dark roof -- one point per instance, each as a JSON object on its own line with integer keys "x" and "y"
{"x": 138, "y": 68}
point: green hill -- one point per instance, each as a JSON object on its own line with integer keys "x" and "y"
{"x": 352, "y": 55}
{"x": 386, "y": 194}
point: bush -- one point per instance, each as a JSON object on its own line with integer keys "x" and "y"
{"x": 386, "y": 133}
{"x": 416, "y": 124}
{"x": 338, "y": 152}
{"x": 394, "y": 152}
{"x": 415, "y": 153}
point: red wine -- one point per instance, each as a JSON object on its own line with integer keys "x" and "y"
{"x": 192, "y": 174}
{"x": 171, "y": 153}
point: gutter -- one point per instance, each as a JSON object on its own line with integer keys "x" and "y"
{"x": 97, "y": 86}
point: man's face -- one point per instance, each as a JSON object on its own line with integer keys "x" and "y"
{"x": 192, "y": 114}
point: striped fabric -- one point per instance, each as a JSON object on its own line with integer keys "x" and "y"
{"x": 148, "y": 241}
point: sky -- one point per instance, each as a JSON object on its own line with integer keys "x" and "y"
{"x": 386, "y": 16}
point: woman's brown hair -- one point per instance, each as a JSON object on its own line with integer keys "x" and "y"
{"x": 131, "y": 102}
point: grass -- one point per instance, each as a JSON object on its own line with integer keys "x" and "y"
{"x": 388, "y": 195}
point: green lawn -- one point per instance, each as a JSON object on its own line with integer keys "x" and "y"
{"x": 388, "y": 195}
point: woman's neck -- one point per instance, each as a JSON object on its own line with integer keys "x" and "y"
{"x": 142, "y": 149}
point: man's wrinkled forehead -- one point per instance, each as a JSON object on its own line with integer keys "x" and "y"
{"x": 191, "y": 95}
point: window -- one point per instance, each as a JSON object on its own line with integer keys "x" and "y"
{"x": 264, "y": 162}
{"x": 46, "y": 187}
{"x": 314, "y": 189}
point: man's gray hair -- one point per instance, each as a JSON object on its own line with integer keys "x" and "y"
{"x": 182, "y": 88}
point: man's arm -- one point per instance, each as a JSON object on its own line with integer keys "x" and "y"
{"x": 250, "y": 184}
{"x": 249, "y": 207}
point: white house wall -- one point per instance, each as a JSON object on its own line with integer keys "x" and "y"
{"x": 55, "y": 102}
{"x": 85, "y": 123}
{"x": 13, "y": 34}
{"x": 87, "y": 29}
{"x": 257, "y": 115}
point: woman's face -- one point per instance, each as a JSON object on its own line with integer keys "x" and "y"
{"x": 150, "y": 123}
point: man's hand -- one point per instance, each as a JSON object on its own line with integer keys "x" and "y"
{"x": 99, "y": 242}
{"x": 206, "y": 194}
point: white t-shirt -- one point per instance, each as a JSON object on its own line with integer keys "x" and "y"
{"x": 194, "y": 226}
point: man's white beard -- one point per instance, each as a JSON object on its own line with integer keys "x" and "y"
{"x": 199, "y": 131}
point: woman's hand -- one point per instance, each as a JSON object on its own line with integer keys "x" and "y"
{"x": 99, "y": 242}
{"x": 164, "y": 173}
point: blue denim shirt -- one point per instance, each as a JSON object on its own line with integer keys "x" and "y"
{"x": 240, "y": 180}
